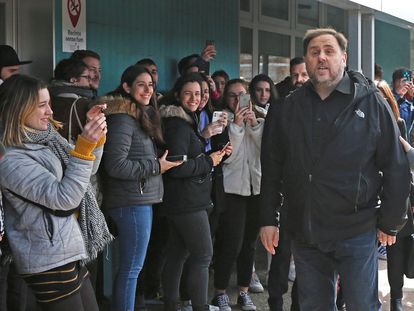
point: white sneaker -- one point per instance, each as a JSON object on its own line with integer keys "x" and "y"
{"x": 186, "y": 305}
{"x": 255, "y": 285}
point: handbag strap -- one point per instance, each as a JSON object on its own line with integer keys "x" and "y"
{"x": 73, "y": 110}
{"x": 57, "y": 213}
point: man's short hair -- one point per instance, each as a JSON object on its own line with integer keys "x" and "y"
{"x": 296, "y": 61}
{"x": 186, "y": 63}
{"x": 69, "y": 68}
{"x": 81, "y": 54}
{"x": 316, "y": 32}
{"x": 146, "y": 62}
{"x": 399, "y": 73}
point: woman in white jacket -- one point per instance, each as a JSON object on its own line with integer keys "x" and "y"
{"x": 238, "y": 227}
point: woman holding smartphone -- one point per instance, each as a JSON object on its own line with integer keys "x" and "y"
{"x": 132, "y": 174}
{"x": 187, "y": 196}
{"x": 238, "y": 227}
{"x": 45, "y": 180}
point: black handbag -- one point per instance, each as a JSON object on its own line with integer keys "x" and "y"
{"x": 409, "y": 259}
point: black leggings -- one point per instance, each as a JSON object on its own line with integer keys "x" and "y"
{"x": 235, "y": 241}
{"x": 189, "y": 240}
{"x": 83, "y": 300}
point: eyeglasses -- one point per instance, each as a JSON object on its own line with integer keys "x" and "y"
{"x": 234, "y": 95}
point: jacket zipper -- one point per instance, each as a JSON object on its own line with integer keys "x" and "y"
{"x": 358, "y": 192}
{"x": 49, "y": 226}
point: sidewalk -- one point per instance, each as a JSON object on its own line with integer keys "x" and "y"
{"x": 260, "y": 300}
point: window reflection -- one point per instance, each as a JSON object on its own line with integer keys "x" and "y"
{"x": 276, "y": 8}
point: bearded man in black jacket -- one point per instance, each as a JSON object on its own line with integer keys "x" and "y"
{"x": 335, "y": 150}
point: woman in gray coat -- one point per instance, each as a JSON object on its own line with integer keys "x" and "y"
{"x": 44, "y": 181}
{"x": 132, "y": 180}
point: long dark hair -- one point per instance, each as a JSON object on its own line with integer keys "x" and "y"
{"x": 149, "y": 119}
{"x": 265, "y": 78}
{"x": 171, "y": 98}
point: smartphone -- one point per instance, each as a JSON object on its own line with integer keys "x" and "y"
{"x": 210, "y": 42}
{"x": 224, "y": 147}
{"x": 407, "y": 75}
{"x": 244, "y": 101}
{"x": 216, "y": 116}
{"x": 175, "y": 158}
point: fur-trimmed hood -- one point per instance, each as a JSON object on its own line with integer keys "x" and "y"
{"x": 118, "y": 104}
{"x": 169, "y": 111}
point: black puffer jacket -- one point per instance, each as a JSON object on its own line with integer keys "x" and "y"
{"x": 336, "y": 198}
{"x": 130, "y": 166}
{"x": 188, "y": 186}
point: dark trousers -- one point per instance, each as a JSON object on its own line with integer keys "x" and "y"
{"x": 189, "y": 240}
{"x": 235, "y": 240}
{"x": 278, "y": 274}
{"x": 149, "y": 280}
{"x": 83, "y": 300}
{"x": 395, "y": 265}
{"x": 317, "y": 268}
{"x": 19, "y": 296}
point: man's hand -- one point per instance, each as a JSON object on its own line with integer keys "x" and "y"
{"x": 386, "y": 239}
{"x": 269, "y": 235}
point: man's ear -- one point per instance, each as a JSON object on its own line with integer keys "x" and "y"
{"x": 126, "y": 87}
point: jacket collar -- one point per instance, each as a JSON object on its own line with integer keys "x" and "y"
{"x": 119, "y": 105}
{"x": 169, "y": 111}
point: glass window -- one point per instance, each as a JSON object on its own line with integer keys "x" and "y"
{"x": 274, "y": 55}
{"x": 298, "y": 47}
{"x": 308, "y": 12}
{"x": 412, "y": 49}
{"x": 246, "y": 53}
{"x": 335, "y": 17}
{"x": 245, "y": 5}
{"x": 276, "y": 8}
{"x": 2, "y": 23}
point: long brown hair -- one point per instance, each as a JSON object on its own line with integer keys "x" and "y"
{"x": 19, "y": 97}
{"x": 150, "y": 122}
{"x": 385, "y": 89}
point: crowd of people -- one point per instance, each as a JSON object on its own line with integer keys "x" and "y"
{"x": 317, "y": 165}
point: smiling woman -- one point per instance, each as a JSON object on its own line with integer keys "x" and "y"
{"x": 44, "y": 181}
{"x": 187, "y": 196}
{"x": 132, "y": 173}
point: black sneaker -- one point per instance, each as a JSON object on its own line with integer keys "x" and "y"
{"x": 221, "y": 301}
{"x": 245, "y": 302}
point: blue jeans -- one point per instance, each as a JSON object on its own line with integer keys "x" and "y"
{"x": 318, "y": 266}
{"x": 134, "y": 229}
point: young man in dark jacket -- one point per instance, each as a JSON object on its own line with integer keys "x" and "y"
{"x": 336, "y": 150}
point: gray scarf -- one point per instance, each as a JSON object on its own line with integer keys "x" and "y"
{"x": 92, "y": 222}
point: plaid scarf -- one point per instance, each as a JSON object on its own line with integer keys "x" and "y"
{"x": 91, "y": 220}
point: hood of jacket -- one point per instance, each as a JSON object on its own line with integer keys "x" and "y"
{"x": 170, "y": 111}
{"x": 59, "y": 88}
{"x": 363, "y": 86}
{"x": 119, "y": 104}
